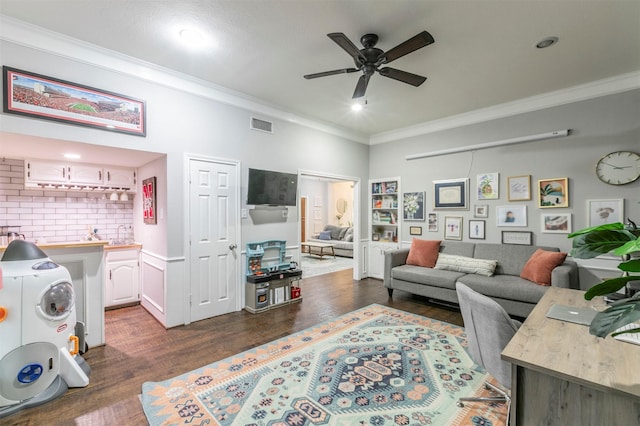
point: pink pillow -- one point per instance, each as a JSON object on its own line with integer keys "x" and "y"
{"x": 540, "y": 264}
{"x": 423, "y": 253}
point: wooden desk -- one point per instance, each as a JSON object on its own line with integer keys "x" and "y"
{"x": 562, "y": 375}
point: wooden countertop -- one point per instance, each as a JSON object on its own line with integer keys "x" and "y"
{"x": 567, "y": 351}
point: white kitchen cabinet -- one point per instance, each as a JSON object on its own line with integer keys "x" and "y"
{"x": 47, "y": 172}
{"x": 120, "y": 177}
{"x": 85, "y": 174}
{"x": 122, "y": 276}
{"x": 78, "y": 175}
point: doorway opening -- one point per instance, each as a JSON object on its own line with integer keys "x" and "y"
{"x": 329, "y": 223}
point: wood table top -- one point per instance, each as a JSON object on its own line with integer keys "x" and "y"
{"x": 567, "y": 351}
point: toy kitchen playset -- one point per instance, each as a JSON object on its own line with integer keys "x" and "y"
{"x": 272, "y": 281}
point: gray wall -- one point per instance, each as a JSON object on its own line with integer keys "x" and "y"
{"x": 599, "y": 126}
{"x": 179, "y": 123}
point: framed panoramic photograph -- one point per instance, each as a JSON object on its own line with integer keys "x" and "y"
{"x": 451, "y": 194}
{"x": 413, "y": 205}
{"x": 553, "y": 193}
{"x": 601, "y": 212}
{"x": 432, "y": 222}
{"x": 452, "y": 228}
{"x": 511, "y": 215}
{"x": 522, "y": 238}
{"x": 415, "y": 230}
{"x": 488, "y": 187}
{"x": 555, "y": 223}
{"x": 481, "y": 210}
{"x": 38, "y": 96}
{"x": 519, "y": 188}
{"x": 476, "y": 229}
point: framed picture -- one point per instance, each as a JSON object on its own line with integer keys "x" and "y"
{"x": 523, "y": 238}
{"x": 555, "y": 223}
{"x": 519, "y": 188}
{"x": 451, "y": 194}
{"x": 34, "y": 95}
{"x": 488, "y": 187}
{"x": 149, "y": 201}
{"x": 601, "y": 212}
{"x": 553, "y": 193}
{"x": 511, "y": 215}
{"x": 476, "y": 229}
{"x": 375, "y": 237}
{"x": 452, "y": 228}
{"x": 415, "y": 230}
{"x": 481, "y": 210}
{"x": 433, "y": 222}
{"x": 413, "y": 205}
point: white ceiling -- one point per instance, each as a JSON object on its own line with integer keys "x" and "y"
{"x": 483, "y": 54}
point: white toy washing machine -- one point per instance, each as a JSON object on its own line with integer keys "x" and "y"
{"x": 39, "y": 352}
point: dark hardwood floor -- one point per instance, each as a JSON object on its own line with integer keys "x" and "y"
{"x": 139, "y": 349}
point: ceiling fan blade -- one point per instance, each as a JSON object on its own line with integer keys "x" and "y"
{"x": 414, "y": 43}
{"x": 403, "y": 76}
{"x": 343, "y": 41}
{"x": 361, "y": 87}
{"x": 334, "y": 72}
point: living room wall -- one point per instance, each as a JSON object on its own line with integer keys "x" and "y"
{"x": 598, "y": 126}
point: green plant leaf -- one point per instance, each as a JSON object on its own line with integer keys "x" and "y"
{"x": 595, "y": 243}
{"x": 615, "y": 316}
{"x": 608, "y": 286}
{"x": 630, "y": 266}
{"x": 608, "y": 226}
{"x": 628, "y": 248}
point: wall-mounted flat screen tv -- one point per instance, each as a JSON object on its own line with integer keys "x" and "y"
{"x": 272, "y": 188}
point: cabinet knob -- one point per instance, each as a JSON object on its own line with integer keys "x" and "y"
{"x": 233, "y": 246}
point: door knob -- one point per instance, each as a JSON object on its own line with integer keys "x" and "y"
{"x": 233, "y": 246}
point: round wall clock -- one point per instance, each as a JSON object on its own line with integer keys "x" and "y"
{"x": 619, "y": 168}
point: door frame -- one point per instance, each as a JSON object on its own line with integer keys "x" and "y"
{"x": 357, "y": 184}
{"x": 187, "y": 228}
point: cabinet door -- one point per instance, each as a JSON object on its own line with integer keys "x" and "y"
{"x": 45, "y": 172}
{"x": 122, "y": 281}
{"x": 117, "y": 177}
{"x": 376, "y": 261}
{"x": 85, "y": 174}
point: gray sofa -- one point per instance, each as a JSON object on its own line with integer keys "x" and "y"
{"x": 517, "y": 295}
{"x": 340, "y": 236}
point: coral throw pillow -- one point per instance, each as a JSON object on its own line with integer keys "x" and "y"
{"x": 540, "y": 264}
{"x": 423, "y": 253}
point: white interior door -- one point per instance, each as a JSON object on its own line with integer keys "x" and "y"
{"x": 213, "y": 222}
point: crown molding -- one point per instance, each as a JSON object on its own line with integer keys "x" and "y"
{"x": 594, "y": 89}
{"x": 38, "y": 38}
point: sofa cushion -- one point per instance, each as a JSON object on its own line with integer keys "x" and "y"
{"x": 511, "y": 258}
{"x": 541, "y": 263}
{"x": 505, "y": 287}
{"x": 324, "y": 235}
{"x": 423, "y": 253}
{"x": 458, "y": 248}
{"x": 335, "y": 231}
{"x": 466, "y": 264}
{"x": 348, "y": 236}
{"x": 343, "y": 232}
{"x": 427, "y": 276}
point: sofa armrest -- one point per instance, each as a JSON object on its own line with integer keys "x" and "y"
{"x": 565, "y": 275}
{"x": 392, "y": 259}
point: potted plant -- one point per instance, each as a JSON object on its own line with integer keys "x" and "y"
{"x": 621, "y": 241}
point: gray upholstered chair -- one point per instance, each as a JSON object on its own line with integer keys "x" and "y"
{"x": 489, "y": 328}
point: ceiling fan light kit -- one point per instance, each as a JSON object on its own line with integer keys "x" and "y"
{"x": 369, "y": 59}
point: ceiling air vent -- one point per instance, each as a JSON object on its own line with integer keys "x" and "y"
{"x": 262, "y": 125}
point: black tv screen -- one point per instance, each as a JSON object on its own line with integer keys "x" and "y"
{"x": 272, "y": 188}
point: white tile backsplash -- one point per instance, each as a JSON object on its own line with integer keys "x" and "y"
{"x": 58, "y": 216}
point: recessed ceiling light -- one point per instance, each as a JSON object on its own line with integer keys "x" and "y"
{"x": 546, "y": 42}
{"x": 191, "y": 37}
{"x": 356, "y": 107}
{"x": 72, "y": 156}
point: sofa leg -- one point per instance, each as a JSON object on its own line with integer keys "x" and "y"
{"x": 390, "y": 291}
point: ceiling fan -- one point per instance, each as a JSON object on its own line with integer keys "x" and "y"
{"x": 369, "y": 59}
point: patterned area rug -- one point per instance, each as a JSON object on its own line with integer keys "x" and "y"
{"x": 312, "y": 265}
{"x": 374, "y": 366}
